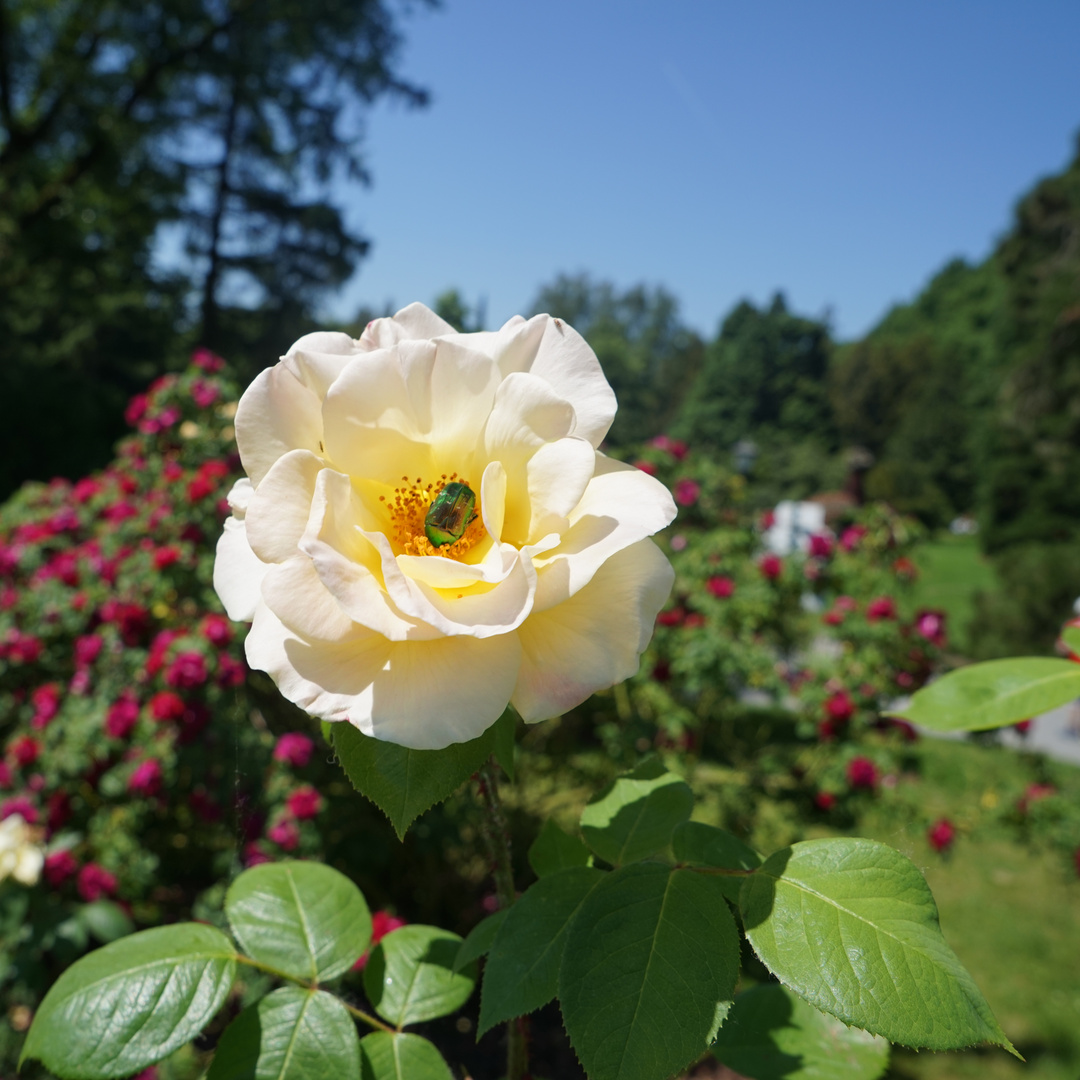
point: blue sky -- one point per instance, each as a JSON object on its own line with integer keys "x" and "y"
{"x": 840, "y": 151}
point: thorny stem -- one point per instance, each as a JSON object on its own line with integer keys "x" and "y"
{"x": 496, "y": 833}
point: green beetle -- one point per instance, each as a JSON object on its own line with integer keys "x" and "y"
{"x": 450, "y": 514}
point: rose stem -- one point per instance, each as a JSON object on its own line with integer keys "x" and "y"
{"x": 496, "y": 833}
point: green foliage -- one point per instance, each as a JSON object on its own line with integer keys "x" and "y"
{"x": 770, "y": 1034}
{"x": 648, "y": 973}
{"x": 299, "y": 917}
{"x": 699, "y": 844}
{"x": 411, "y": 977}
{"x": 132, "y": 1002}
{"x": 994, "y": 694}
{"x": 522, "y": 969}
{"x": 480, "y": 938}
{"x": 554, "y": 850}
{"x": 218, "y": 126}
{"x": 403, "y": 783}
{"x": 850, "y": 926}
{"x": 291, "y": 1034}
{"x": 635, "y": 816}
{"x": 386, "y": 1056}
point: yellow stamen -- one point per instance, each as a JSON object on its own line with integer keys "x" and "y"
{"x": 408, "y": 509}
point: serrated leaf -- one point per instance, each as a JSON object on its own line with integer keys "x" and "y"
{"x": 770, "y": 1034}
{"x": 522, "y": 971}
{"x": 634, "y": 817}
{"x": 410, "y": 976}
{"x": 105, "y": 920}
{"x": 850, "y": 925}
{"x": 554, "y": 850}
{"x": 504, "y": 740}
{"x": 302, "y": 918}
{"x": 291, "y": 1034}
{"x": 403, "y": 783}
{"x": 994, "y": 694}
{"x": 705, "y": 845}
{"x": 648, "y": 972}
{"x": 401, "y": 1057}
{"x": 132, "y": 1002}
{"x": 479, "y": 939}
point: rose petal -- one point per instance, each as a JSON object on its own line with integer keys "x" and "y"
{"x": 347, "y": 564}
{"x": 558, "y": 476}
{"x": 413, "y": 323}
{"x": 621, "y": 506}
{"x": 276, "y": 414}
{"x": 317, "y": 359}
{"x": 594, "y": 639}
{"x": 238, "y": 572}
{"x": 278, "y": 512}
{"x": 424, "y": 695}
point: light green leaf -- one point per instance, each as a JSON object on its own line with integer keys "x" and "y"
{"x": 648, "y": 972}
{"x": 522, "y": 971}
{"x": 554, "y": 850}
{"x": 291, "y": 1034}
{"x": 705, "y": 845}
{"x": 770, "y": 1034}
{"x": 133, "y": 1002}
{"x": 479, "y": 939}
{"x": 634, "y": 817}
{"x": 410, "y": 976}
{"x": 1070, "y": 635}
{"x": 994, "y": 694}
{"x": 403, "y": 783}
{"x": 401, "y": 1057}
{"x": 850, "y": 925}
{"x": 302, "y": 918}
{"x": 105, "y": 920}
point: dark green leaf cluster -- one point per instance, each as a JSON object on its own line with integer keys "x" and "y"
{"x": 134, "y": 1002}
{"x": 631, "y": 930}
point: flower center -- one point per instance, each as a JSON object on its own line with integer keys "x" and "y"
{"x": 409, "y": 509}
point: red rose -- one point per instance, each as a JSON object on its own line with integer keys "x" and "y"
{"x": 122, "y": 716}
{"x": 145, "y": 781}
{"x": 862, "y": 773}
{"x": 771, "y": 566}
{"x": 881, "y": 608}
{"x": 59, "y": 866}
{"x": 941, "y": 834}
{"x": 294, "y": 749}
{"x": 721, "y": 587}
{"x": 304, "y": 803}
{"x": 95, "y": 883}
{"x": 25, "y": 750}
{"x": 187, "y": 671}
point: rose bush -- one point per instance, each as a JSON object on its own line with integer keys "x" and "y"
{"x": 546, "y": 595}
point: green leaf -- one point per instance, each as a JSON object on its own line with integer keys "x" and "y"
{"x": 522, "y": 971}
{"x": 479, "y": 940}
{"x": 105, "y": 920}
{"x": 770, "y": 1034}
{"x": 403, "y": 783}
{"x": 503, "y": 741}
{"x": 705, "y": 845}
{"x": 401, "y": 1057}
{"x": 133, "y": 1002}
{"x": 291, "y": 1034}
{"x": 850, "y": 925}
{"x": 410, "y": 976}
{"x": 634, "y": 817}
{"x": 1070, "y": 635}
{"x": 302, "y": 918}
{"x": 648, "y": 972}
{"x": 554, "y": 850}
{"x": 994, "y": 694}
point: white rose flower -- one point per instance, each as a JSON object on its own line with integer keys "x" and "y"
{"x": 417, "y": 622}
{"x": 20, "y": 856}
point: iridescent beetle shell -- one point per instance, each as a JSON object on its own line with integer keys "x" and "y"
{"x": 450, "y": 514}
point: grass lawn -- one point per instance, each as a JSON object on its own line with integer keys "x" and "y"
{"x": 1010, "y": 912}
{"x": 951, "y": 570}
